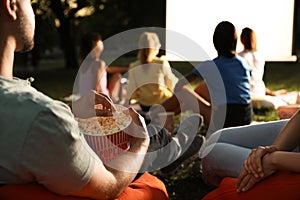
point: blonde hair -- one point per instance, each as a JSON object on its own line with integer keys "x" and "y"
{"x": 148, "y": 43}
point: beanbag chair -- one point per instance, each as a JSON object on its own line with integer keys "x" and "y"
{"x": 32, "y": 191}
{"x": 282, "y": 185}
{"x": 147, "y": 187}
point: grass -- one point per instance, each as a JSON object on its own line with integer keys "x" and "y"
{"x": 187, "y": 184}
{"x": 282, "y": 76}
{"x": 57, "y": 82}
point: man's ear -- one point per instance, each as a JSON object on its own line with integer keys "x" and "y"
{"x": 11, "y": 8}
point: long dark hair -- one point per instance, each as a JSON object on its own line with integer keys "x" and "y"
{"x": 248, "y": 39}
{"x": 88, "y": 42}
{"x": 225, "y": 39}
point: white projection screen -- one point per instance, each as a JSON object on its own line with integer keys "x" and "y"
{"x": 272, "y": 20}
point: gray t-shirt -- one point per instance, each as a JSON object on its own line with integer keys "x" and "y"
{"x": 40, "y": 140}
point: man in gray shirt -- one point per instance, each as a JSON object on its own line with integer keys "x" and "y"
{"x": 40, "y": 141}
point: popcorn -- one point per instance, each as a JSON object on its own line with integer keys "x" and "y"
{"x": 104, "y": 125}
{"x": 106, "y": 135}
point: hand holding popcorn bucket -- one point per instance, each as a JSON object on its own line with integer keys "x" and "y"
{"x": 106, "y": 135}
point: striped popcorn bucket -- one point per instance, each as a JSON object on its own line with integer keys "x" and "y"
{"x": 109, "y": 146}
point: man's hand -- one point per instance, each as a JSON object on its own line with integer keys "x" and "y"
{"x": 85, "y": 106}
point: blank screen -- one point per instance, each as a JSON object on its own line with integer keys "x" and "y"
{"x": 272, "y": 21}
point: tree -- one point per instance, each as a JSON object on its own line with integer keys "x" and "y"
{"x": 64, "y": 14}
{"x": 105, "y": 16}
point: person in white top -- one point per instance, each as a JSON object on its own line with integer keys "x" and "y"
{"x": 256, "y": 61}
{"x": 93, "y": 72}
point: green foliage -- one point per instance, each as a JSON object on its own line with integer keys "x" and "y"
{"x": 187, "y": 184}
{"x": 63, "y": 22}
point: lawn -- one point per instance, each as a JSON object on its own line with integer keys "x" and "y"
{"x": 57, "y": 82}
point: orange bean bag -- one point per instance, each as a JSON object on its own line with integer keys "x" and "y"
{"x": 282, "y": 185}
{"x": 147, "y": 187}
{"x": 31, "y": 191}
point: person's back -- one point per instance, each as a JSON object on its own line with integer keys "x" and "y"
{"x": 233, "y": 72}
{"x": 92, "y": 74}
{"x": 33, "y": 125}
{"x": 261, "y": 96}
{"x": 150, "y": 78}
{"x": 255, "y": 60}
{"x": 235, "y": 76}
{"x": 41, "y": 145}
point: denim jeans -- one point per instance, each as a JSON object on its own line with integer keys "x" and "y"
{"x": 162, "y": 151}
{"x": 226, "y": 150}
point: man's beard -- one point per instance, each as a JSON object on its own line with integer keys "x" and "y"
{"x": 28, "y": 41}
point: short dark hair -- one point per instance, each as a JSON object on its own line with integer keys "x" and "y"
{"x": 88, "y": 42}
{"x": 225, "y": 39}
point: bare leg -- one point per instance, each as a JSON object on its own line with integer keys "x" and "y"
{"x": 186, "y": 99}
{"x": 202, "y": 90}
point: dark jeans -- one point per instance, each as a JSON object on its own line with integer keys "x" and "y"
{"x": 238, "y": 115}
{"x": 145, "y": 108}
{"x": 230, "y": 115}
{"x": 159, "y": 138}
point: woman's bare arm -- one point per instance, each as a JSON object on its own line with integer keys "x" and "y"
{"x": 289, "y": 138}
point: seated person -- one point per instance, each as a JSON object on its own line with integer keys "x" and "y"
{"x": 93, "y": 72}
{"x": 253, "y": 153}
{"x": 260, "y": 157}
{"x": 260, "y": 94}
{"x": 46, "y": 147}
{"x": 223, "y": 97}
{"x": 226, "y": 149}
{"x": 150, "y": 78}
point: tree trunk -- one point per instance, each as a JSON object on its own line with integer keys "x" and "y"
{"x": 68, "y": 44}
{"x": 65, "y": 31}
